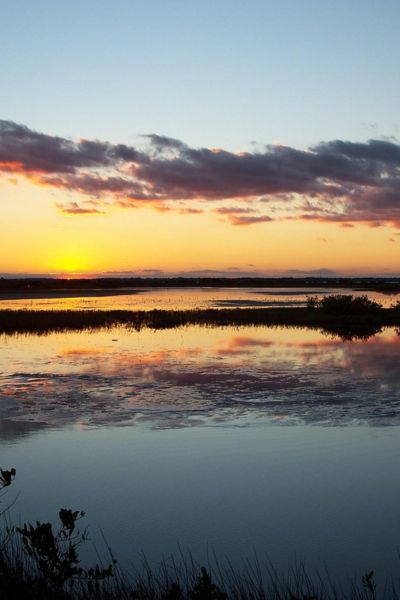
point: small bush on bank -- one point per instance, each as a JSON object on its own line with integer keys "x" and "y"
{"x": 345, "y": 304}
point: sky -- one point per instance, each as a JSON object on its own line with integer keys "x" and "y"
{"x": 186, "y": 136}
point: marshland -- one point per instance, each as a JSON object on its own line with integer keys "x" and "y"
{"x": 214, "y": 435}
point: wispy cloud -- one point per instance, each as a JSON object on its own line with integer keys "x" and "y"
{"x": 73, "y": 208}
{"x": 338, "y": 181}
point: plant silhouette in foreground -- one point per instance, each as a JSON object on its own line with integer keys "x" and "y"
{"x": 205, "y": 589}
{"x": 7, "y": 477}
{"x": 369, "y": 584}
{"x": 55, "y": 554}
{"x": 37, "y": 563}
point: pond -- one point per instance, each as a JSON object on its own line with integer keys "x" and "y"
{"x": 174, "y": 298}
{"x": 279, "y": 441}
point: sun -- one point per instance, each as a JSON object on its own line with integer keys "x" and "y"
{"x": 69, "y": 263}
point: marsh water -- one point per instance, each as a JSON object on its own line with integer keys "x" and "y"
{"x": 174, "y": 298}
{"x": 279, "y": 441}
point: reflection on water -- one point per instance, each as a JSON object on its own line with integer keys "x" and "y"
{"x": 193, "y": 376}
{"x": 177, "y": 299}
{"x": 208, "y": 461}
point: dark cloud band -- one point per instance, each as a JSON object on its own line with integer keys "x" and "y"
{"x": 334, "y": 181}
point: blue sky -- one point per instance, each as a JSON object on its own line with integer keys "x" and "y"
{"x": 265, "y": 82}
{"x": 213, "y": 73}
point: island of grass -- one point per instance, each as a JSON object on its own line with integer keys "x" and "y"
{"x": 348, "y": 316}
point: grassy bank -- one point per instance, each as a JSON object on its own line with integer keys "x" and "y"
{"x": 40, "y": 562}
{"x": 347, "y": 324}
{"x": 184, "y": 579}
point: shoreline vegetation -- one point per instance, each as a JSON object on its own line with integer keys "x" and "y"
{"x": 42, "y": 561}
{"x": 346, "y": 316}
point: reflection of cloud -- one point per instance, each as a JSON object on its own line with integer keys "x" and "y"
{"x": 80, "y": 351}
{"x": 241, "y": 345}
{"x": 12, "y": 429}
{"x": 379, "y": 360}
{"x": 338, "y": 181}
{"x": 251, "y": 377}
{"x": 127, "y": 360}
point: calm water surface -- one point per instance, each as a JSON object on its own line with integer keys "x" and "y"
{"x": 177, "y": 299}
{"x": 280, "y": 441}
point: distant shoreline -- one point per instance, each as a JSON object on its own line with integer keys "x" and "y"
{"x": 131, "y": 285}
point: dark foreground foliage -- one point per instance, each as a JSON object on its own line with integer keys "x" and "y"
{"x": 346, "y": 316}
{"x": 38, "y": 563}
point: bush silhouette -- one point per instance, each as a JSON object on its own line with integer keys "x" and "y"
{"x": 396, "y": 306}
{"x": 205, "y": 589}
{"x": 7, "y": 477}
{"x": 55, "y": 555}
{"x": 345, "y": 304}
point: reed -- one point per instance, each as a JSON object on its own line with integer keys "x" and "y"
{"x": 346, "y": 316}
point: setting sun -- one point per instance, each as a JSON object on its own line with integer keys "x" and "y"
{"x": 69, "y": 262}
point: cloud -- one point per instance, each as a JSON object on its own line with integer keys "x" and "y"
{"x": 73, "y": 208}
{"x": 323, "y": 272}
{"x": 230, "y": 272}
{"x": 336, "y": 181}
{"x": 32, "y": 152}
{"x": 241, "y": 216}
{"x": 236, "y": 219}
{"x": 188, "y": 210}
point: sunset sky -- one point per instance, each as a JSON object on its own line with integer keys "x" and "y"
{"x": 186, "y": 136}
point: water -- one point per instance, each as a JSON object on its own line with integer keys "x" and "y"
{"x": 279, "y": 441}
{"x": 312, "y": 493}
{"x": 193, "y": 376}
{"x": 175, "y": 298}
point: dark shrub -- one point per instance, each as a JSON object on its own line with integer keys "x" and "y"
{"x": 349, "y": 305}
{"x": 396, "y": 306}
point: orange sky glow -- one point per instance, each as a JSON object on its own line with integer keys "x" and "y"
{"x": 84, "y": 206}
{"x": 39, "y": 238}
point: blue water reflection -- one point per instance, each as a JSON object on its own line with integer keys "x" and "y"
{"x": 283, "y": 441}
{"x": 318, "y": 494}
